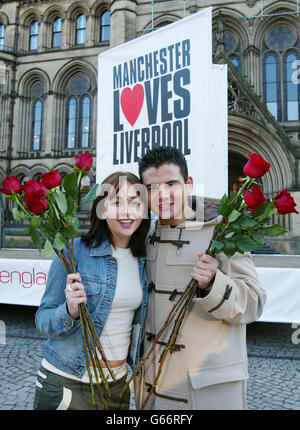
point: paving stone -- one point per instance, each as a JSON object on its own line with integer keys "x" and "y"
{"x": 273, "y": 384}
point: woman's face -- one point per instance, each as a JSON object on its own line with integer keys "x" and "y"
{"x": 123, "y": 212}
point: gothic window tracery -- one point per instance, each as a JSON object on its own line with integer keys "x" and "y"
{"x": 281, "y": 57}
{"x": 78, "y": 115}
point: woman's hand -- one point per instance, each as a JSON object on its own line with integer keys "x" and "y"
{"x": 75, "y": 294}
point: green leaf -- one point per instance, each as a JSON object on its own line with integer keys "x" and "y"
{"x": 47, "y": 232}
{"x": 218, "y": 245}
{"x": 258, "y": 238}
{"x": 72, "y": 205}
{"x": 225, "y": 206}
{"x": 264, "y": 211}
{"x": 272, "y": 230}
{"x": 61, "y": 201}
{"x": 247, "y": 245}
{"x": 48, "y": 248}
{"x": 236, "y": 228}
{"x": 229, "y": 249}
{"x": 76, "y": 224}
{"x": 36, "y": 238}
{"x": 91, "y": 195}
{"x": 18, "y": 215}
{"x": 70, "y": 185}
{"x": 234, "y": 215}
{"x": 228, "y": 235}
{"x": 59, "y": 241}
{"x": 69, "y": 232}
{"x": 36, "y": 221}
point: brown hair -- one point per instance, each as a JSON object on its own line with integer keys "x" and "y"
{"x": 99, "y": 230}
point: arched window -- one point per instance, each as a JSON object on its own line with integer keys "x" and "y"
{"x": 37, "y": 117}
{"x": 33, "y": 36}
{"x": 236, "y": 61}
{"x": 291, "y": 87}
{"x": 105, "y": 26}
{"x": 280, "y": 88}
{"x": 79, "y": 109}
{"x": 85, "y": 119}
{"x": 80, "y": 29}
{"x": 232, "y": 45}
{"x": 2, "y": 36}
{"x": 271, "y": 85}
{"x": 37, "y": 121}
{"x": 71, "y": 122}
{"x": 56, "y": 33}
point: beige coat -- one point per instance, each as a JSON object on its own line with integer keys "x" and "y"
{"x": 209, "y": 371}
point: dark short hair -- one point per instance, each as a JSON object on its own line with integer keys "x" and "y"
{"x": 99, "y": 230}
{"x": 163, "y": 155}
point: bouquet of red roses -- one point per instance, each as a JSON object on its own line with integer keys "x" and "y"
{"x": 51, "y": 212}
{"x": 244, "y": 221}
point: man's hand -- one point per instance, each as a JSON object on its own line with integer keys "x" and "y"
{"x": 205, "y": 270}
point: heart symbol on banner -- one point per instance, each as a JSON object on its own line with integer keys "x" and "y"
{"x": 132, "y": 102}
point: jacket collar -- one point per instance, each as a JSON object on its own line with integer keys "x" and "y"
{"x": 101, "y": 250}
{"x": 105, "y": 249}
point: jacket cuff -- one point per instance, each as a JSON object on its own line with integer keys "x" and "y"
{"x": 64, "y": 320}
{"x": 218, "y": 295}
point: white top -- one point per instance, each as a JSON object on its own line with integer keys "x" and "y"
{"x": 115, "y": 337}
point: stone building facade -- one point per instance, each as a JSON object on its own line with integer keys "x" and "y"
{"x": 48, "y": 82}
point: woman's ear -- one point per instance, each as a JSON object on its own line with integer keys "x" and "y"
{"x": 101, "y": 209}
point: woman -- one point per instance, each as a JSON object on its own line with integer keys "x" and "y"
{"x": 108, "y": 256}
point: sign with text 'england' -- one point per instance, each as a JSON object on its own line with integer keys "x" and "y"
{"x": 159, "y": 90}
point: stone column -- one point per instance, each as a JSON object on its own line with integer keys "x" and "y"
{"x": 252, "y": 67}
{"x": 123, "y": 21}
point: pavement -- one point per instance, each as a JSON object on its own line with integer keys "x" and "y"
{"x": 273, "y": 351}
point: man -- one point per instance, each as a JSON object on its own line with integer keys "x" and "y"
{"x": 208, "y": 369}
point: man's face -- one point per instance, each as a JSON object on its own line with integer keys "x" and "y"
{"x": 167, "y": 192}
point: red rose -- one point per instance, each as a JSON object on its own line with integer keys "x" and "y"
{"x": 284, "y": 203}
{"x": 33, "y": 186}
{"x": 36, "y": 203}
{"x": 51, "y": 179}
{"x": 254, "y": 198}
{"x": 84, "y": 160}
{"x": 256, "y": 166}
{"x": 11, "y": 183}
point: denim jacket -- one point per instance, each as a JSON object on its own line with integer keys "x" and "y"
{"x": 98, "y": 270}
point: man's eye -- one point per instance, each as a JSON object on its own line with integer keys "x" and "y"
{"x": 152, "y": 188}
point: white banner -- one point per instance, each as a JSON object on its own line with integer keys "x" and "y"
{"x": 22, "y": 282}
{"x": 162, "y": 89}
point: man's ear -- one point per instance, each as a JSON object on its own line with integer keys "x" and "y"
{"x": 189, "y": 185}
